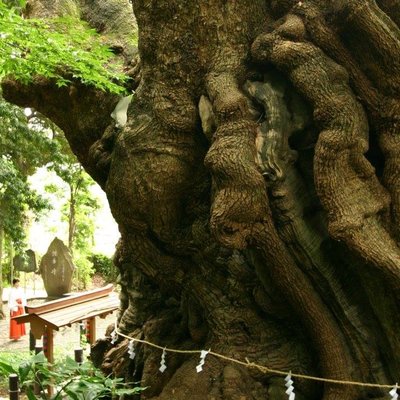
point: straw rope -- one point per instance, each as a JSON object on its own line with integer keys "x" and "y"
{"x": 261, "y": 368}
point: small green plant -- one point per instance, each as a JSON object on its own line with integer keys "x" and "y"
{"x": 13, "y": 360}
{"x": 83, "y": 273}
{"x": 68, "y": 378}
{"x": 104, "y": 266}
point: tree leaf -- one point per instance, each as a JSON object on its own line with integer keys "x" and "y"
{"x": 71, "y": 394}
{"x": 30, "y": 394}
{"x": 23, "y": 370}
{"x": 6, "y": 368}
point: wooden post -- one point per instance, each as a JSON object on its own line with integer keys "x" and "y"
{"x": 38, "y": 349}
{"x": 48, "y": 344}
{"x": 92, "y": 330}
{"x": 32, "y": 341}
{"x": 37, "y": 328}
{"x": 48, "y": 347}
{"x": 87, "y": 330}
{"x": 36, "y": 388}
{"x": 13, "y": 386}
{"x": 79, "y": 356}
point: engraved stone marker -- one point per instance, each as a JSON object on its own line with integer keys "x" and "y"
{"x": 56, "y": 269}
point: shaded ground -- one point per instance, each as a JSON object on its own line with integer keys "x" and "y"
{"x": 65, "y": 340}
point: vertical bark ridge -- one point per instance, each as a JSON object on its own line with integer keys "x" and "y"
{"x": 342, "y": 173}
{"x": 323, "y": 329}
{"x": 327, "y": 38}
{"x": 238, "y": 187}
{"x": 232, "y": 160}
{"x": 289, "y": 200}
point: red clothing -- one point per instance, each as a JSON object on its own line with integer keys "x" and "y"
{"x": 17, "y": 330}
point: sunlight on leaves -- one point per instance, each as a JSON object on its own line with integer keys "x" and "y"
{"x": 61, "y": 48}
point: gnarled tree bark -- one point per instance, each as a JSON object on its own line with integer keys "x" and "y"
{"x": 256, "y": 186}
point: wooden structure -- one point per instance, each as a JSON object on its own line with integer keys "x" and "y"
{"x": 13, "y": 384}
{"x": 53, "y": 315}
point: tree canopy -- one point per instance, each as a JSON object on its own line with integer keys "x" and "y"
{"x": 23, "y": 150}
{"x": 36, "y": 47}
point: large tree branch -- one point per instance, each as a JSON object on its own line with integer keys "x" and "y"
{"x": 113, "y": 19}
{"x": 82, "y": 112}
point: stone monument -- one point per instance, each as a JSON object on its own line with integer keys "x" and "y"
{"x": 56, "y": 268}
{"x": 25, "y": 262}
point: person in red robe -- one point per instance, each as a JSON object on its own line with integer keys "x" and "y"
{"x": 16, "y": 304}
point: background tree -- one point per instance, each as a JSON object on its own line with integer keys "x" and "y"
{"x": 255, "y": 184}
{"x": 50, "y": 45}
{"x": 27, "y": 142}
{"x": 78, "y": 209}
{"x": 23, "y": 149}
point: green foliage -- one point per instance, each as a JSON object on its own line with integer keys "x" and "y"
{"x": 9, "y": 361}
{"x": 85, "y": 205}
{"x": 76, "y": 381}
{"x": 8, "y": 254}
{"x": 84, "y": 271}
{"x": 22, "y": 150}
{"x": 67, "y": 167}
{"x": 78, "y": 211}
{"x": 104, "y": 266}
{"x": 60, "y": 48}
{"x": 29, "y": 143}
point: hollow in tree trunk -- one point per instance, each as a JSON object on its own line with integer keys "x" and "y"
{"x": 256, "y": 187}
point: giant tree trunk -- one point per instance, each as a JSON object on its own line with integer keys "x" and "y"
{"x": 256, "y": 185}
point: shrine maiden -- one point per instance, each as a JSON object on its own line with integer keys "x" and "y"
{"x": 16, "y": 304}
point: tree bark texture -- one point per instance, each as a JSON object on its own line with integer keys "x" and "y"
{"x": 256, "y": 186}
